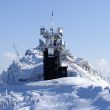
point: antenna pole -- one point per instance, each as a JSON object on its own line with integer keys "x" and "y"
{"x": 17, "y": 53}
{"x": 51, "y": 21}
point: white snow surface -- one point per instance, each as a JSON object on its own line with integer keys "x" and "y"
{"x": 24, "y": 88}
{"x": 70, "y": 93}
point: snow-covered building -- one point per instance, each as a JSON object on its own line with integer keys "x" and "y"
{"x": 52, "y": 54}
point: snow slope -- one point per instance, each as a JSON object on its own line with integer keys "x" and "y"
{"x": 30, "y": 67}
{"x": 22, "y": 86}
{"x": 71, "y": 93}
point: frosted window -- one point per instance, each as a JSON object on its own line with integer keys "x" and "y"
{"x": 51, "y": 51}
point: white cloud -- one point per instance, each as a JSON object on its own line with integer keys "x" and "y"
{"x": 103, "y": 65}
{"x": 10, "y": 56}
{"x": 6, "y": 59}
{"x": 101, "y": 62}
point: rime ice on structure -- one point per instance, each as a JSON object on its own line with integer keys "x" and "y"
{"x": 52, "y": 54}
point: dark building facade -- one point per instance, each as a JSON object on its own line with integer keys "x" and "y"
{"x": 52, "y": 66}
{"x": 53, "y": 48}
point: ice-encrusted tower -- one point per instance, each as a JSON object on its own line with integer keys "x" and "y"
{"x": 52, "y": 54}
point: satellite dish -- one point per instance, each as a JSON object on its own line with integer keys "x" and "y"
{"x": 60, "y": 31}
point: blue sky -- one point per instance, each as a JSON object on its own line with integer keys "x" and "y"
{"x": 86, "y": 26}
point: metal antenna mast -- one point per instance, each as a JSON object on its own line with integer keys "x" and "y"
{"x": 51, "y": 20}
{"x": 16, "y": 51}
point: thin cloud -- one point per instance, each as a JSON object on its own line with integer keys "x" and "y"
{"x": 10, "y": 56}
{"x": 103, "y": 65}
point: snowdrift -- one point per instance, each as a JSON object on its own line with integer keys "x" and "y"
{"x": 70, "y": 93}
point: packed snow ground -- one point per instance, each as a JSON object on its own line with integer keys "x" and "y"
{"x": 70, "y": 93}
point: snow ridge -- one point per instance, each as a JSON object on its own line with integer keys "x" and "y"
{"x": 30, "y": 67}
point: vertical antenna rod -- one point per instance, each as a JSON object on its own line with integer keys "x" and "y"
{"x": 17, "y": 53}
{"x": 51, "y": 21}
